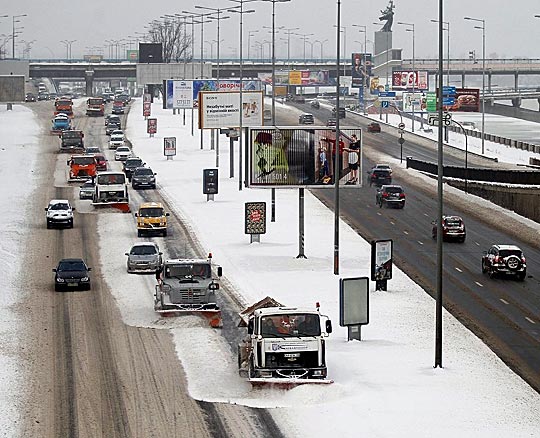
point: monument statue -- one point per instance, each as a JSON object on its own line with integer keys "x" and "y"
{"x": 388, "y": 15}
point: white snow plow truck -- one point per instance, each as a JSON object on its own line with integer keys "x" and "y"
{"x": 285, "y": 345}
{"x": 187, "y": 286}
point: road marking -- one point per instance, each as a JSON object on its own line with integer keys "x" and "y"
{"x": 502, "y": 300}
{"x": 393, "y": 223}
{"x": 457, "y": 269}
{"x": 379, "y": 213}
{"x": 479, "y": 284}
{"x": 421, "y": 243}
{"x": 530, "y": 320}
{"x": 405, "y": 232}
{"x": 426, "y": 215}
{"x": 476, "y": 243}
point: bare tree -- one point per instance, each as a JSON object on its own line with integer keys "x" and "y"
{"x": 173, "y": 37}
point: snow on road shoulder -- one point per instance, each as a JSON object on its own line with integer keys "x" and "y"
{"x": 19, "y": 141}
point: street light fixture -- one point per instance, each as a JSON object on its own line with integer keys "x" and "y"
{"x": 322, "y": 44}
{"x": 411, "y": 29}
{"x": 483, "y": 28}
{"x": 289, "y": 31}
{"x": 304, "y": 36}
{"x": 447, "y": 23}
{"x": 250, "y": 34}
{"x": 344, "y": 45}
{"x": 14, "y": 34}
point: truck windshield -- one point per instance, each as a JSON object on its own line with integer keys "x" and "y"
{"x": 63, "y": 103}
{"x": 151, "y": 212}
{"x": 188, "y": 270}
{"x": 291, "y": 325}
{"x": 71, "y": 134}
{"x": 95, "y": 101}
{"x": 83, "y": 160}
{"x": 110, "y": 179}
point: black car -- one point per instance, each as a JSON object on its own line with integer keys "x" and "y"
{"x": 315, "y": 104}
{"x": 379, "y": 177}
{"x": 71, "y": 273}
{"x": 143, "y": 177}
{"x": 306, "y": 119}
{"x": 453, "y": 228}
{"x": 391, "y": 196}
{"x": 130, "y": 165}
{"x": 112, "y": 117}
{"x": 504, "y": 259}
{"x": 342, "y": 112}
{"x": 331, "y": 122}
{"x": 43, "y": 96}
{"x": 30, "y": 97}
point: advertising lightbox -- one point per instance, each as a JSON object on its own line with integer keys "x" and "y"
{"x": 409, "y": 80}
{"x": 301, "y": 157}
{"x": 222, "y": 109}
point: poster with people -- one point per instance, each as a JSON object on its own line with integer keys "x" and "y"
{"x": 360, "y": 69}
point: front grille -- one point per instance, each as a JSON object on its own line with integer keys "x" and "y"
{"x": 306, "y": 359}
{"x": 188, "y": 296}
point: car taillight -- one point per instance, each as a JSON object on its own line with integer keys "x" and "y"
{"x": 497, "y": 259}
{"x": 523, "y": 260}
{"x": 402, "y": 195}
{"x": 385, "y": 195}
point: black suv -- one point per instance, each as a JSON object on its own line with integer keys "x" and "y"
{"x": 453, "y": 228}
{"x": 342, "y": 112}
{"x": 71, "y": 273}
{"x": 390, "y": 196}
{"x": 143, "y": 177}
{"x": 379, "y": 177}
{"x": 504, "y": 259}
{"x": 130, "y": 165}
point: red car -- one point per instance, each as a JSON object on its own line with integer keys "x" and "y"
{"x": 374, "y": 127}
{"x": 101, "y": 162}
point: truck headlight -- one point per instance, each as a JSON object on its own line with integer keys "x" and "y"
{"x": 318, "y": 373}
{"x": 60, "y": 279}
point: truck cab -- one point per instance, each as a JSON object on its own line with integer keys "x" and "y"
{"x": 110, "y": 188}
{"x": 72, "y": 141}
{"x": 95, "y": 106}
{"x": 151, "y": 218}
{"x": 60, "y": 123}
{"x": 81, "y": 167}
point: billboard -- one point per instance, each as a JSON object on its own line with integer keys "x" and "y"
{"x": 381, "y": 260}
{"x": 408, "y": 80}
{"x": 255, "y": 218}
{"x": 297, "y": 77}
{"x": 150, "y": 53}
{"x": 169, "y": 146}
{"x": 464, "y": 99}
{"x": 151, "y": 126}
{"x": 177, "y": 94}
{"x": 222, "y": 109}
{"x": 300, "y": 157}
{"x": 414, "y": 100}
{"x": 12, "y": 88}
{"x": 360, "y": 69}
{"x": 132, "y": 55}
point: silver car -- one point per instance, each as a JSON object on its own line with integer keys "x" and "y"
{"x": 86, "y": 191}
{"x": 144, "y": 257}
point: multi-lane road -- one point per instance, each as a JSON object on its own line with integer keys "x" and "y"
{"x": 503, "y": 312}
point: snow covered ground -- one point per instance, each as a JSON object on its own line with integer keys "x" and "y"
{"x": 384, "y": 386}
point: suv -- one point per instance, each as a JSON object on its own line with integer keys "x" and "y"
{"x": 306, "y": 119}
{"x": 390, "y": 196}
{"x": 143, "y": 177}
{"x": 71, "y": 273}
{"x": 452, "y": 228}
{"x": 59, "y": 212}
{"x": 117, "y": 139}
{"x": 144, "y": 257}
{"x": 380, "y": 176}
{"x": 374, "y": 127}
{"x": 342, "y": 112}
{"x": 130, "y": 165}
{"x": 504, "y": 259}
{"x": 151, "y": 218}
{"x": 113, "y": 125}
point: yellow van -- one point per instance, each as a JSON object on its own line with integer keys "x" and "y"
{"x": 151, "y": 218}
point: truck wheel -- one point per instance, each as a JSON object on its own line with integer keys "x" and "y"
{"x": 70, "y": 225}
{"x": 139, "y": 233}
{"x": 49, "y": 225}
{"x": 164, "y": 233}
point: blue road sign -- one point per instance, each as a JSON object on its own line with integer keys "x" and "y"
{"x": 387, "y": 94}
{"x": 448, "y": 101}
{"x": 448, "y": 91}
{"x": 385, "y": 104}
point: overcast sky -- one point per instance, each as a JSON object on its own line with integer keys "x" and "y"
{"x": 511, "y": 30}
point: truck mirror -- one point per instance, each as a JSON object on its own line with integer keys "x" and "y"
{"x": 219, "y": 271}
{"x": 136, "y": 215}
{"x": 167, "y": 214}
{"x": 54, "y": 270}
{"x": 328, "y": 326}
{"x": 250, "y": 327}
{"x": 89, "y": 269}
{"x": 45, "y": 208}
{"x": 126, "y": 253}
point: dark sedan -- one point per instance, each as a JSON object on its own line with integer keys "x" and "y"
{"x": 71, "y": 274}
{"x": 374, "y": 127}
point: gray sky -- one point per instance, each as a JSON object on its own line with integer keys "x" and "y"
{"x": 511, "y": 31}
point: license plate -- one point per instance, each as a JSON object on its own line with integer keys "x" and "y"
{"x": 73, "y": 284}
{"x": 292, "y": 355}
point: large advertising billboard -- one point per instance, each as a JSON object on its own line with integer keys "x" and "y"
{"x": 222, "y": 109}
{"x": 361, "y": 69}
{"x": 409, "y": 80}
{"x": 464, "y": 99}
{"x": 177, "y": 91}
{"x": 297, "y": 77}
{"x": 300, "y": 157}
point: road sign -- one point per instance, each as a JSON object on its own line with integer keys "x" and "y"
{"x": 401, "y": 125}
{"x": 400, "y": 131}
{"x": 448, "y": 101}
{"x": 431, "y": 102}
{"x": 387, "y": 94}
{"x": 401, "y": 140}
{"x": 448, "y": 91}
{"x": 385, "y": 104}
{"x": 433, "y": 119}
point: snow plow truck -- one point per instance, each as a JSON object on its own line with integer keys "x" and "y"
{"x": 284, "y": 346}
{"x": 188, "y": 286}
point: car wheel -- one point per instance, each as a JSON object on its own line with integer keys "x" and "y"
{"x": 484, "y": 267}
{"x": 49, "y": 226}
{"x": 462, "y": 240}
{"x": 164, "y": 233}
{"x": 70, "y": 223}
{"x": 154, "y": 186}
{"x": 57, "y": 288}
{"x": 491, "y": 272}
{"x": 521, "y": 276}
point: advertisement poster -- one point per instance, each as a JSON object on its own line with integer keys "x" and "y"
{"x": 381, "y": 260}
{"x": 414, "y": 100}
{"x": 464, "y": 100}
{"x": 295, "y": 77}
{"x": 255, "y": 218}
{"x": 147, "y": 97}
{"x": 177, "y": 91}
{"x": 409, "y": 80}
{"x": 169, "y": 146}
{"x": 151, "y": 126}
{"x": 222, "y": 109}
{"x": 300, "y": 157}
{"x": 375, "y": 86}
{"x": 360, "y": 69}
{"x": 298, "y": 77}
{"x": 147, "y": 108}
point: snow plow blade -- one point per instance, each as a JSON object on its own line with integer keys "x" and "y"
{"x": 212, "y": 316}
{"x": 122, "y": 206}
{"x": 286, "y": 383}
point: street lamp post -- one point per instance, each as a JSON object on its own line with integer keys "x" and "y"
{"x": 411, "y": 29}
{"x": 337, "y": 151}
{"x": 483, "y": 28}
{"x": 289, "y": 31}
{"x": 14, "y": 34}
{"x": 344, "y": 44}
{"x": 304, "y": 36}
{"x": 250, "y": 33}
{"x": 321, "y": 43}
{"x": 447, "y": 23}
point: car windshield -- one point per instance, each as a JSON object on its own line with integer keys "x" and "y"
{"x": 452, "y": 222}
{"x": 59, "y": 206}
{"x": 75, "y": 265}
{"x": 188, "y": 270}
{"x": 143, "y": 171}
{"x": 151, "y": 212}
{"x": 83, "y": 160}
{"x": 133, "y": 163}
{"x": 143, "y": 250}
{"x": 122, "y": 149}
{"x": 88, "y": 184}
{"x": 381, "y": 172}
{"x": 291, "y": 325}
{"x": 510, "y": 252}
{"x": 394, "y": 190}
{"x": 99, "y": 157}
{"x": 110, "y": 179}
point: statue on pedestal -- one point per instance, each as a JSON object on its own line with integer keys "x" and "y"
{"x": 388, "y": 15}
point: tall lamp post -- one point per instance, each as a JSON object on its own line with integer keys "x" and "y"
{"x": 447, "y": 23}
{"x": 14, "y": 34}
{"x": 250, "y": 34}
{"x": 483, "y": 28}
{"x": 336, "y": 153}
{"x": 289, "y": 31}
{"x": 322, "y": 44}
{"x": 344, "y": 44}
{"x": 411, "y": 29}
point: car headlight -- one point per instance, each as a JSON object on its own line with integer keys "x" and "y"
{"x": 84, "y": 279}
{"x": 60, "y": 279}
